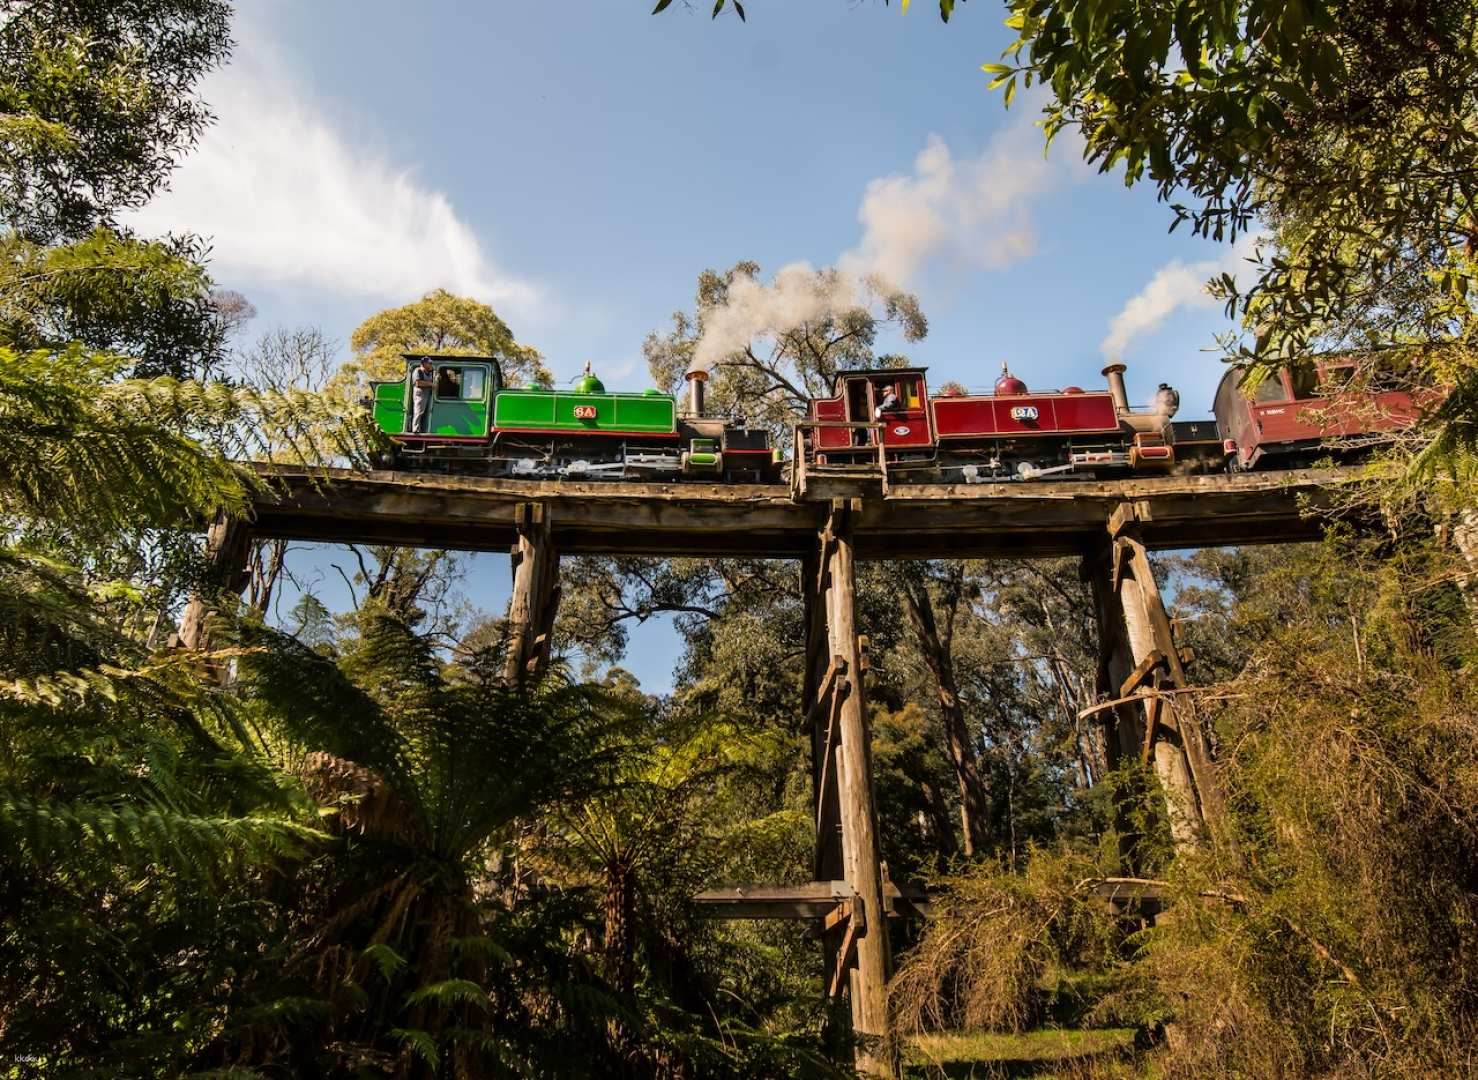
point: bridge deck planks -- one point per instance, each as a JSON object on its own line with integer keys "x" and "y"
{"x": 674, "y": 519}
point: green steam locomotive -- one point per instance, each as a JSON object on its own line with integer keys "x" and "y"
{"x": 477, "y": 424}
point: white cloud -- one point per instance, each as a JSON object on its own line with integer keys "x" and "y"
{"x": 976, "y": 210}
{"x": 1175, "y": 285}
{"x": 290, "y": 200}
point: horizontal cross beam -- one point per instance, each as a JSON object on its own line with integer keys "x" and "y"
{"x": 810, "y": 900}
{"x": 1030, "y": 519}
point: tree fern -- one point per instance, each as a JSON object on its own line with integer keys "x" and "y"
{"x": 81, "y": 446}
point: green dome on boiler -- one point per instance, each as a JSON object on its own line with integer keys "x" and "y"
{"x": 588, "y": 383}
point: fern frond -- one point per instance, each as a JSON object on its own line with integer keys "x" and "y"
{"x": 421, "y": 1043}
{"x": 389, "y": 962}
{"x": 80, "y": 447}
{"x": 449, "y": 992}
{"x": 193, "y": 845}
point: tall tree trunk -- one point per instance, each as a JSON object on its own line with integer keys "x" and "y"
{"x": 936, "y": 652}
{"x": 620, "y": 914}
{"x": 267, "y": 560}
{"x": 938, "y": 819}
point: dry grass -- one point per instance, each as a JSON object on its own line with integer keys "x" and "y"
{"x": 1044, "y": 1054}
{"x": 981, "y": 963}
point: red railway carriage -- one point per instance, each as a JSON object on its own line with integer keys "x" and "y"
{"x": 1292, "y": 416}
{"x": 1011, "y": 432}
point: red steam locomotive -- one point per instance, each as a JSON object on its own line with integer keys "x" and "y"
{"x": 1013, "y": 433}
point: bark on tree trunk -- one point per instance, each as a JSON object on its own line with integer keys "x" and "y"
{"x": 620, "y": 913}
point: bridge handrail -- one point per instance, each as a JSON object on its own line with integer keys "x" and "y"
{"x": 804, "y": 451}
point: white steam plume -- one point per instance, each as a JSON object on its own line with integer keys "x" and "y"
{"x": 797, "y": 295}
{"x": 973, "y": 210}
{"x": 1175, "y": 285}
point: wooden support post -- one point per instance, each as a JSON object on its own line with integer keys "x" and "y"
{"x": 1123, "y": 727}
{"x": 535, "y": 599}
{"x": 227, "y": 544}
{"x": 1144, "y": 650}
{"x": 847, "y": 841}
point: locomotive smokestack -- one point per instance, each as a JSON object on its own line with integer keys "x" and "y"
{"x": 695, "y": 377}
{"x": 1114, "y": 373}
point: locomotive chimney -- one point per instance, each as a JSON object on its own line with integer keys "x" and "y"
{"x": 1114, "y": 373}
{"x": 695, "y": 378}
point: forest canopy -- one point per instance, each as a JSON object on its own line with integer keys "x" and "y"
{"x": 239, "y": 841}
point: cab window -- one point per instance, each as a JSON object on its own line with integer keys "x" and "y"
{"x": 449, "y": 383}
{"x": 1270, "y": 389}
{"x": 473, "y": 382}
{"x": 908, "y": 393}
{"x": 1305, "y": 382}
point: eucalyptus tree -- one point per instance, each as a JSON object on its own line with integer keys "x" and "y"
{"x": 932, "y": 596}
{"x": 824, "y": 323}
{"x": 97, "y": 100}
{"x": 442, "y": 323}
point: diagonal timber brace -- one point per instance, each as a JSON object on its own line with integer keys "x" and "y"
{"x": 1138, "y": 650}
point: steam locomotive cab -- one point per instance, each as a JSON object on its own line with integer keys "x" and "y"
{"x": 896, "y": 398}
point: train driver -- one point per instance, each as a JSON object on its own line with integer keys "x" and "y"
{"x": 424, "y": 382}
{"x": 888, "y": 402}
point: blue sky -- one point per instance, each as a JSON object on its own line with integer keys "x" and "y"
{"x": 576, "y": 164}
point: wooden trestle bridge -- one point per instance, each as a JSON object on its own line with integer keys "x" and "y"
{"x": 1110, "y": 524}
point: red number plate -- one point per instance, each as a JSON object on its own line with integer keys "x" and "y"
{"x": 584, "y": 412}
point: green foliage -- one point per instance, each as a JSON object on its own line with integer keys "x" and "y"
{"x": 1348, "y": 741}
{"x": 84, "y": 448}
{"x": 438, "y": 323}
{"x": 96, "y": 99}
{"x": 1346, "y": 128}
{"x": 149, "y": 301}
